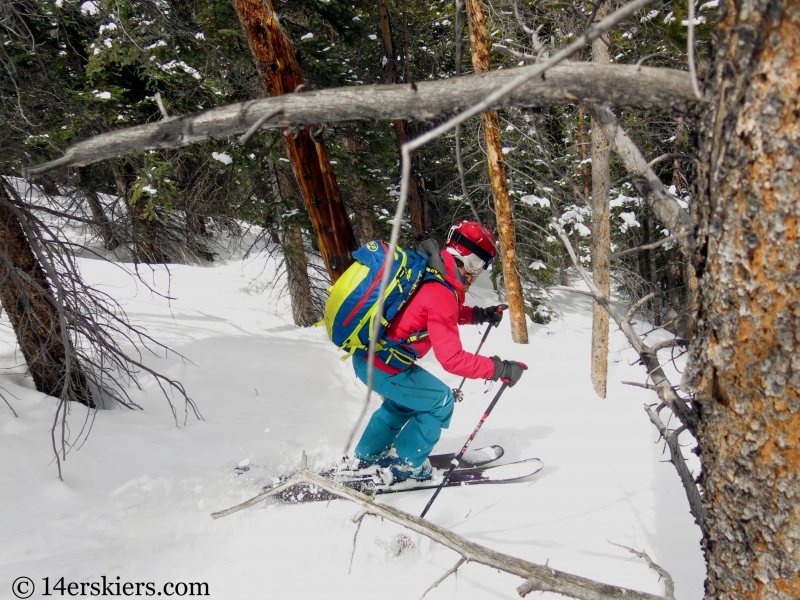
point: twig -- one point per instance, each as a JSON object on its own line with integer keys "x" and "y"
{"x": 560, "y": 288}
{"x": 359, "y": 518}
{"x": 646, "y": 386}
{"x": 436, "y": 583}
{"x": 258, "y": 124}
{"x": 669, "y": 584}
{"x": 652, "y": 246}
{"x": 161, "y": 107}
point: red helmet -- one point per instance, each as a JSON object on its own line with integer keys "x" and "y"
{"x": 473, "y": 244}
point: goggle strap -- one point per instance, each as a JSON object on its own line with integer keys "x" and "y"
{"x": 458, "y": 238}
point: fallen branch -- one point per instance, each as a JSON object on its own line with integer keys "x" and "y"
{"x": 649, "y": 358}
{"x": 665, "y": 207}
{"x": 664, "y": 90}
{"x": 537, "y": 577}
{"x": 687, "y": 479}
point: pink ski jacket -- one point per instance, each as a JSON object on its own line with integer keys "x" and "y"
{"x": 435, "y": 308}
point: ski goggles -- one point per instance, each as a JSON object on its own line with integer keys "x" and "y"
{"x": 474, "y": 265}
{"x": 478, "y": 260}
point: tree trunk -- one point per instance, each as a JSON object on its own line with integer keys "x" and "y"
{"x": 275, "y": 60}
{"x": 29, "y": 303}
{"x": 147, "y": 242}
{"x": 391, "y": 75}
{"x": 104, "y": 226}
{"x": 744, "y": 362}
{"x": 601, "y": 230}
{"x": 294, "y": 255}
{"x": 497, "y": 174}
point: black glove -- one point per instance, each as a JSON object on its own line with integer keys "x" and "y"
{"x": 491, "y": 314}
{"x": 509, "y": 371}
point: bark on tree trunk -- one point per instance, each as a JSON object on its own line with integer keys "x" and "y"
{"x": 294, "y": 255}
{"x": 497, "y": 175}
{"x": 28, "y": 302}
{"x": 744, "y": 361}
{"x": 275, "y": 60}
{"x": 601, "y": 231}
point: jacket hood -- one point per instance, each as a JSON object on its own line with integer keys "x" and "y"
{"x": 452, "y": 276}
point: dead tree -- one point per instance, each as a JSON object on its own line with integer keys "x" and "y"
{"x": 69, "y": 332}
{"x": 497, "y": 175}
{"x": 277, "y": 66}
{"x": 32, "y": 306}
{"x": 601, "y": 229}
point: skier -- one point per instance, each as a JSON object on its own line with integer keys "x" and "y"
{"x": 417, "y": 405}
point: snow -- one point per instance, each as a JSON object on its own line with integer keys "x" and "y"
{"x": 225, "y": 159}
{"x": 89, "y": 8}
{"x": 136, "y": 497}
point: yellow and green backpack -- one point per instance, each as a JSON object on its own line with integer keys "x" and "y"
{"x": 351, "y": 309}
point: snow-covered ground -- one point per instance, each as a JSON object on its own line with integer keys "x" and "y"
{"x": 136, "y": 498}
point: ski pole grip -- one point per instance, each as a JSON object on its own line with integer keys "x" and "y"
{"x": 508, "y": 381}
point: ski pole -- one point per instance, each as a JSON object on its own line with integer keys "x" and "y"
{"x": 454, "y": 463}
{"x": 457, "y": 392}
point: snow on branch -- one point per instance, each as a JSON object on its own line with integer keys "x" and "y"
{"x": 664, "y": 90}
{"x": 537, "y": 577}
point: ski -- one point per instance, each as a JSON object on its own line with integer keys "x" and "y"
{"x": 472, "y": 458}
{"x": 366, "y": 482}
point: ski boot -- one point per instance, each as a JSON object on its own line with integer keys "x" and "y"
{"x": 399, "y": 470}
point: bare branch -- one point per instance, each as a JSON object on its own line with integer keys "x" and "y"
{"x": 639, "y": 304}
{"x": 538, "y": 577}
{"x": 687, "y": 480}
{"x": 669, "y": 584}
{"x": 646, "y": 386}
{"x": 665, "y": 90}
{"x": 652, "y": 246}
{"x": 161, "y": 107}
{"x": 505, "y": 51}
{"x": 674, "y": 343}
{"x": 452, "y": 570}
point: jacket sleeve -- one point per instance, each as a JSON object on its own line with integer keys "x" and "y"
{"x": 443, "y": 318}
{"x": 465, "y": 316}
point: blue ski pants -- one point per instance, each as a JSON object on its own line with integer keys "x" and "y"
{"x": 416, "y": 408}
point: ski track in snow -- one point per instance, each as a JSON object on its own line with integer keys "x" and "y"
{"x": 136, "y": 498}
